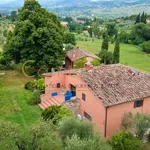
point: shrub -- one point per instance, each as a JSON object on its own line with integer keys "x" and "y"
{"x": 69, "y": 38}
{"x": 106, "y": 57}
{"x": 70, "y": 126}
{"x": 29, "y": 86}
{"x": 36, "y": 84}
{"x": 79, "y": 63}
{"x": 86, "y": 39}
{"x": 55, "y": 113}
{"x": 127, "y": 121}
{"x": 141, "y": 124}
{"x": 138, "y": 40}
{"x": 124, "y": 37}
{"x": 93, "y": 143}
{"x": 35, "y": 98}
{"x": 96, "y": 62}
{"x": 146, "y": 47}
{"x": 69, "y": 47}
{"x": 3, "y": 63}
{"x": 125, "y": 141}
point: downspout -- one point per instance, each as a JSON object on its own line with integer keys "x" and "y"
{"x": 106, "y": 114}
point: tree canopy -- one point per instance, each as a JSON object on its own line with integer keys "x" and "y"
{"x": 68, "y": 134}
{"x": 105, "y": 44}
{"x": 140, "y": 33}
{"x": 69, "y": 38}
{"x": 38, "y": 36}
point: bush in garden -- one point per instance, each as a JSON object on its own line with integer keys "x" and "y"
{"x": 141, "y": 124}
{"x": 96, "y": 62}
{"x": 4, "y": 65}
{"x": 35, "y": 98}
{"x": 29, "y": 86}
{"x": 55, "y": 113}
{"x": 39, "y": 84}
{"x": 146, "y": 47}
{"x": 125, "y": 141}
{"x": 80, "y": 63}
{"x": 36, "y": 84}
{"x": 70, "y": 126}
{"x": 96, "y": 142}
{"x": 126, "y": 122}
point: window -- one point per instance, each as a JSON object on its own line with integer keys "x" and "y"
{"x": 138, "y": 103}
{"x": 83, "y": 96}
{"x": 86, "y": 115}
{"x": 58, "y": 85}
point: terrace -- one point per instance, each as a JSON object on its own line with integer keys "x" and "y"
{"x": 64, "y": 97}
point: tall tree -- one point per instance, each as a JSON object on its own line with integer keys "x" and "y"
{"x": 105, "y": 44}
{"x": 13, "y": 16}
{"x": 90, "y": 31}
{"x": 69, "y": 38}
{"x": 116, "y": 54}
{"x": 111, "y": 29}
{"x": 138, "y": 18}
{"x": 38, "y": 36}
{"x": 143, "y": 17}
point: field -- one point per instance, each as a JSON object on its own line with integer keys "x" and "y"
{"x": 129, "y": 54}
{"x": 14, "y": 98}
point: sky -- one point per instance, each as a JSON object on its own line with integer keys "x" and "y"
{"x": 5, "y": 1}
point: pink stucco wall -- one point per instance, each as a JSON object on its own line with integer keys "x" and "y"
{"x": 115, "y": 113}
{"x": 92, "y": 105}
{"x": 51, "y": 83}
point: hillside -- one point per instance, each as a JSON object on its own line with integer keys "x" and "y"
{"x": 82, "y": 8}
{"x": 16, "y": 3}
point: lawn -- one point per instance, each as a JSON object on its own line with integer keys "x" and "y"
{"x": 129, "y": 54}
{"x": 14, "y": 98}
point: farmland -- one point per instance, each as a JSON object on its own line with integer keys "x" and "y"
{"x": 129, "y": 54}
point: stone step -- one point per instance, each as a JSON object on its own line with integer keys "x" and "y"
{"x": 44, "y": 104}
{"x": 54, "y": 101}
{"x": 41, "y": 106}
{"x": 48, "y": 103}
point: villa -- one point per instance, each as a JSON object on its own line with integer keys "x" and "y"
{"x": 101, "y": 95}
{"x": 78, "y": 54}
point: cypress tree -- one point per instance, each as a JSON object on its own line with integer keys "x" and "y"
{"x": 143, "y": 17}
{"x": 138, "y": 18}
{"x": 105, "y": 44}
{"x": 116, "y": 54}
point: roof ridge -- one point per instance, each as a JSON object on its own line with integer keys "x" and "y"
{"x": 82, "y": 51}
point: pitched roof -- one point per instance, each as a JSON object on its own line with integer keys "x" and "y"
{"x": 77, "y": 53}
{"x": 115, "y": 84}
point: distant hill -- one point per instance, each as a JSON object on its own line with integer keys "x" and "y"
{"x": 79, "y": 7}
{"x": 47, "y": 3}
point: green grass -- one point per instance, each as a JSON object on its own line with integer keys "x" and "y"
{"x": 14, "y": 98}
{"x": 129, "y": 54}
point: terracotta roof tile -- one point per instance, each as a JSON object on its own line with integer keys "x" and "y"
{"x": 77, "y": 53}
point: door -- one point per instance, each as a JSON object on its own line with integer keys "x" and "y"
{"x": 73, "y": 90}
